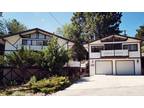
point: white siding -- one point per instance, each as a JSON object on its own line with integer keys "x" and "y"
{"x": 12, "y": 43}
{"x": 137, "y": 65}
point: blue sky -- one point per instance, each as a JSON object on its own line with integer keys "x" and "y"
{"x": 130, "y": 21}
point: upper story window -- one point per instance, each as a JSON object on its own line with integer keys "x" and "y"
{"x": 26, "y": 42}
{"x": 41, "y": 36}
{"x": 116, "y": 46}
{"x": 131, "y": 47}
{"x": 96, "y": 48}
{"x": 34, "y": 36}
{"x": 34, "y": 42}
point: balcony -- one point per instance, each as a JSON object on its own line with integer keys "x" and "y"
{"x": 112, "y": 53}
{"x": 35, "y": 48}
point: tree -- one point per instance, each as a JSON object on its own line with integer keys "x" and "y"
{"x": 54, "y": 57}
{"x": 88, "y": 26}
{"x": 66, "y": 31}
{"x": 93, "y": 25}
{"x": 11, "y": 26}
{"x": 140, "y": 32}
{"x": 79, "y": 52}
{"x": 23, "y": 59}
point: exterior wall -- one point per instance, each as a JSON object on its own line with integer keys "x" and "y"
{"x": 12, "y": 43}
{"x": 15, "y": 43}
{"x": 98, "y": 54}
{"x": 137, "y": 63}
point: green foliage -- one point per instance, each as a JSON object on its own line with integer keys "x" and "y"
{"x": 1, "y": 60}
{"x": 32, "y": 80}
{"x": 50, "y": 85}
{"x": 23, "y": 58}
{"x": 79, "y": 52}
{"x": 93, "y": 25}
{"x": 140, "y": 32}
{"x": 88, "y": 26}
{"x": 11, "y": 26}
{"x": 54, "y": 57}
{"x": 66, "y": 31}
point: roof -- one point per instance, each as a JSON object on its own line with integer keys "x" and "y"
{"x": 117, "y": 35}
{"x": 37, "y": 29}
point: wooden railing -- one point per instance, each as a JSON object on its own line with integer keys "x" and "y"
{"x": 111, "y": 53}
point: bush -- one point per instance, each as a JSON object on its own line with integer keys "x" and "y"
{"x": 32, "y": 80}
{"x": 50, "y": 85}
{"x": 23, "y": 58}
{"x": 1, "y": 60}
{"x": 54, "y": 57}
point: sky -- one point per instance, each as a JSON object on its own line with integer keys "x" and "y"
{"x": 51, "y": 21}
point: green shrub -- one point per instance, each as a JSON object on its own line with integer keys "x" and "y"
{"x": 32, "y": 80}
{"x": 50, "y": 85}
{"x": 54, "y": 57}
{"x": 23, "y": 58}
{"x": 1, "y": 60}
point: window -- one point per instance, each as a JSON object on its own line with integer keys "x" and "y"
{"x": 34, "y": 36}
{"x": 115, "y": 46}
{"x": 45, "y": 43}
{"x": 96, "y": 48}
{"x": 131, "y": 47}
{"x": 39, "y": 43}
{"x": 34, "y": 42}
{"x": 109, "y": 47}
{"x": 48, "y": 37}
{"x": 26, "y": 36}
{"x": 24, "y": 42}
{"x": 29, "y": 42}
{"x": 118, "y": 46}
{"x": 41, "y": 36}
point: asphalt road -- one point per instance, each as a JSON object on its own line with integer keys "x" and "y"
{"x": 101, "y": 85}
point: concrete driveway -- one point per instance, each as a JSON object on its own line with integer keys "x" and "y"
{"x": 101, "y": 85}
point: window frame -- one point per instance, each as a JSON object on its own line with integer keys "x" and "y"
{"x": 97, "y": 49}
{"x": 129, "y": 48}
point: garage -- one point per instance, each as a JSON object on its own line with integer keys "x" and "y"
{"x": 104, "y": 67}
{"x": 125, "y": 67}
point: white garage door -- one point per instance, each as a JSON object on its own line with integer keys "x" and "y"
{"x": 104, "y": 67}
{"x": 125, "y": 67}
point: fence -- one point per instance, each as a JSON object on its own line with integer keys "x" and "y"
{"x": 10, "y": 75}
{"x": 16, "y": 76}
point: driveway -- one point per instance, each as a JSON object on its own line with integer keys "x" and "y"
{"x": 101, "y": 85}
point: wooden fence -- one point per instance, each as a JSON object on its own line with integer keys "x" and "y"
{"x": 16, "y": 76}
{"x": 13, "y": 75}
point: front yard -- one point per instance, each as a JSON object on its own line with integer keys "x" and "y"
{"x": 33, "y": 87}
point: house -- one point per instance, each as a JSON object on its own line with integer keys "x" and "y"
{"x": 114, "y": 55}
{"x": 35, "y": 39}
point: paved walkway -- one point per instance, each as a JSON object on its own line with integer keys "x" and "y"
{"x": 101, "y": 85}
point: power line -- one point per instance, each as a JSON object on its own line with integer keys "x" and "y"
{"x": 55, "y": 19}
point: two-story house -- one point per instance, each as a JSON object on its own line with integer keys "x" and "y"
{"x": 115, "y": 55}
{"x": 34, "y": 39}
